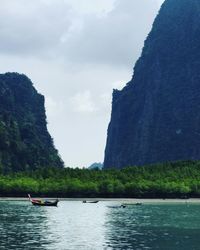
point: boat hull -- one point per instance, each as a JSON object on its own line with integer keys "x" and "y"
{"x": 90, "y": 201}
{"x": 46, "y": 204}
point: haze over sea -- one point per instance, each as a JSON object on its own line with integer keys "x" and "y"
{"x": 74, "y": 225}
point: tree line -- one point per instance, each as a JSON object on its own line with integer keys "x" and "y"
{"x": 168, "y": 180}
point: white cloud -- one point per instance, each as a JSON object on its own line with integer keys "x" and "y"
{"x": 53, "y": 108}
{"x": 160, "y": 2}
{"x": 83, "y": 103}
{"x": 32, "y": 28}
{"x": 117, "y": 85}
{"x": 106, "y": 99}
{"x": 91, "y": 6}
{"x": 78, "y": 31}
{"x": 115, "y": 38}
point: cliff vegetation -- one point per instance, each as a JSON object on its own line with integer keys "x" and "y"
{"x": 25, "y": 143}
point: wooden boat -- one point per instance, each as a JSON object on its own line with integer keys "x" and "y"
{"x": 132, "y": 204}
{"x": 118, "y": 206}
{"x": 90, "y": 201}
{"x": 41, "y": 202}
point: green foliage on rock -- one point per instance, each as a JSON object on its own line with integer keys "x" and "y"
{"x": 25, "y": 143}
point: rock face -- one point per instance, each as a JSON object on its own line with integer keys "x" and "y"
{"x": 24, "y": 140}
{"x": 96, "y": 165}
{"x": 156, "y": 117}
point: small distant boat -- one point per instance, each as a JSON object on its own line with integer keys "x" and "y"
{"x": 41, "y": 202}
{"x": 90, "y": 201}
{"x": 138, "y": 204}
{"x": 133, "y": 204}
{"x": 118, "y": 206}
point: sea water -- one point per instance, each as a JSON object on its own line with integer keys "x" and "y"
{"x": 74, "y": 225}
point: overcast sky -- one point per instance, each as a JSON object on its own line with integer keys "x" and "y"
{"x": 75, "y": 52}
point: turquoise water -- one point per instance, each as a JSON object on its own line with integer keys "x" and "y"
{"x": 74, "y": 225}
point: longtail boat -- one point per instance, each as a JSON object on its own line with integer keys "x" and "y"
{"x": 41, "y": 202}
{"x": 84, "y": 201}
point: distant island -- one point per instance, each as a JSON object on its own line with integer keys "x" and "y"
{"x": 96, "y": 165}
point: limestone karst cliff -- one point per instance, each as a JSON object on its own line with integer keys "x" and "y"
{"x": 156, "y": 116}
{"x": 25, "y": 143}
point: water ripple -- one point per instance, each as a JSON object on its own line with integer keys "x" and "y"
{"x": 74, "y": 225}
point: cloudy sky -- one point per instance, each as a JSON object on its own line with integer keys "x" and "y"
{"x": 75, "y": 52}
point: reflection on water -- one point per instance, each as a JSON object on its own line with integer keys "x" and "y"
{"x": 74, "y": 225}
{"x": 20, "y": 226}
{"x": 170, "y": 227}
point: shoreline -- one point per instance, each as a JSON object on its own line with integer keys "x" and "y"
{"x": 122, "y": 200}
